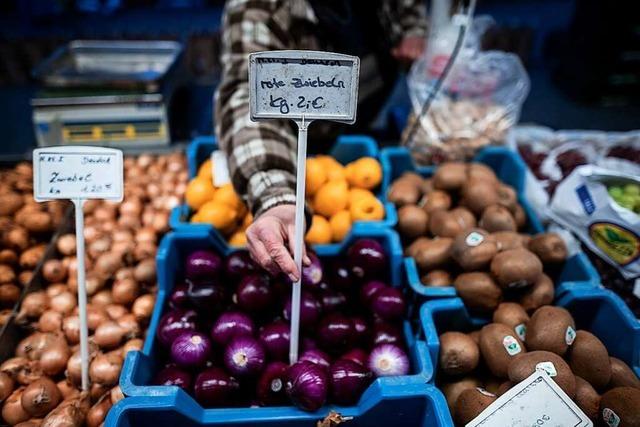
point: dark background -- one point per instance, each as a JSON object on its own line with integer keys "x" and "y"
{"x": 583, "y": 57}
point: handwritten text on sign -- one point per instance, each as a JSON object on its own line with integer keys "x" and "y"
{"x": 316, "y": 85}
{"x": 77, "y": 173}
{"x": 535, "y": 401}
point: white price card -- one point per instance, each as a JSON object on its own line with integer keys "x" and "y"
{"x": 303, "y": 84}
{"x": 536, "y": 401}
{"x": 77, "y": 172}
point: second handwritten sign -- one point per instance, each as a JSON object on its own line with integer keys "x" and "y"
{"x": 293, "y": 84}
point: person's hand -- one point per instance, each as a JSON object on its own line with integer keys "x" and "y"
{"x": 409, "y": 49}
{"x": 270, "y": 241}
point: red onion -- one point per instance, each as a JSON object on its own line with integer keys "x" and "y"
{"x": 214, "y": 387}
{"x": 307, "y": 343}
{"x": 385, "y": 333}
{"x": 172, "y": 375}
{"x": 307, "y": 385}
{"x": 333, "y": 300}
{"x": 335, "y": 333}
{"x": 310, "y": 310}
{"x": 206, "y": 295}
{"x": 348, "y": 381}
{"x": 367, "y": 258}
{"x": 239, "y": 264}
{"x": 356, "y": 355}
{"x": 340, "y": 276}
{"x": 275, "y": 339}
{"x": 369, "y": 290}
{"x": 174, "y": 323}
{"x": 202, "y": 265}
{"x": 316, "y": 356}
{"x": 179, "y": 298}
{"x": 270, "y": 386}
{"x": 388, "y": 303}
{"x": 229, "y": 325}
{"x": 312, "y": 273}
{"x": 362, "y": 334}
{"x": 254, "y": 293}
{"x": 244, "y": 356}
{"x": 191, "y": 349}
{"x": 388, "y": 360}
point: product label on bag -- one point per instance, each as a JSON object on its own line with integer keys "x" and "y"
{"x": 511, "y": 345}
{"x": 310, "y": 84}
{"x": 77, "y": 172}
{"x": 535, "y": 401}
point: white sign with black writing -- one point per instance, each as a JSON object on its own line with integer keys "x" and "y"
{"x": 77, "y": 172}
{"x": 536, "y": 401}
{"x": 309, "y": 84}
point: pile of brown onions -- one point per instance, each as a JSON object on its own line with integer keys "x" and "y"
{"x": 40, "y": 385}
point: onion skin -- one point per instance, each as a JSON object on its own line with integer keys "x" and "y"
{"x": 275, "y": 338}
{"x": 12, "y": 410}
{"x": 33, "y": 305}
{"x": 244, "y": 356}
{"x": 191, "y": 349}
{"x": 66, "y": 389}
{"x": 98, "y": 412}
{"x": 105, "y": 368}
{"x": 316, "y": 356}
{"x": 40, "y": 397}
{"x": 142, "y": 307}
{"x": 116, "y": 394}
{"x": 307, "y": 385}
{"x": 33, "y": 422}
{"x": 214, "y": 387}
{"x": 130, "y": 325}
{"x": 145, "y": 271}
{"x": 6, "y": 386}
{"x": 109, "y": 335}
{"x": 55, "y": 357}
{"x": 50, "y": 321}
{"x": 388, "y": 303}
{"x": 70, "y": 413}
{"x": 388, "y": 360}
{"x": 63, "y": 303}
{"x": 175, "y": 376}
{"x": 173, "y": 323}
{"x": 71, "y": 329}
{"x": 270, "y": 388}
{"x": 134, "y": 344}
{"x": 229, "y": 325}
{"x": 348, "y": 380}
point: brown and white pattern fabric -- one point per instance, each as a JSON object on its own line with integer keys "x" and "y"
{"x": 261, "y": 155}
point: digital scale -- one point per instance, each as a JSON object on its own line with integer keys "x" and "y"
{"x": 106, "y": 93}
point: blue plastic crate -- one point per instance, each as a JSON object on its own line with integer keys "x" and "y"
{"x": 398, "y": 393}
{"x": 382, "y": 405}
{"x": 597, "y": 310}
{"x": 510, "y": 168}
{"x": 346, "y": 149}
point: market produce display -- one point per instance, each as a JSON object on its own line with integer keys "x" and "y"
{"x": 42, "y": 380}
{"x": 464, "y": 228}
{"x": 225, "y": 331}
{"x": 338, "y": 195}
{"x": 476, "y": 367}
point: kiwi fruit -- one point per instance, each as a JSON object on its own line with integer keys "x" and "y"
{"x": 471, "y": 403}
{"x": 499, "y": 346}
{"x": 589, "y": 358}
{"x": 452, "y": 390}
{"x": 451, "y": 223}
{"x": 474, "y": 249}
{"x": 587, "y": 398}
{"x": 504, "y": 387}
{"x": 450, "y": 176}
{"x": 507, "y": 196}
{"x": 516, "y": 268}
{"x": 523, "y": 366}
{"x": 621, "y": 403}
{"x": 508, "y": 240}
{"x": 480, "y": 172}
{"x": 520, "y": 216}
{"x": 436, "y": 200}
{"x": 549, "y": 247}
{"x": 412, "y": 177}
{"x": 404, "y": 192}
{"x": 478, "y": 291}
{"x": 512, "y": 315}
{"x": 426, "y": 186}
{"x": 475, "y": 336}
{"x": 622, "y": 375}
{"x": 412, "y": 221}
{"x": 437, "y": 278}
{"x": 431, "y": 253}
{"x": 478, "y": 195}
{"x": 459, "y": 354}
{"x": 541, "y": 293}
{"x": 551, "y": 329}
{"x": 497, "y": 218}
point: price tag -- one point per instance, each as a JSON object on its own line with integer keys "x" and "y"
{"x": 293, "y": 84}
{"x": 74, "y": 172}
{"x": 220, "y": 169}
{"x": 536, "y": 401}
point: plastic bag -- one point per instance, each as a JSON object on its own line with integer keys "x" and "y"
{"x": 478, "y": 103}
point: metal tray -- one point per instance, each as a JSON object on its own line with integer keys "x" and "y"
{"x": 93, "y": 63}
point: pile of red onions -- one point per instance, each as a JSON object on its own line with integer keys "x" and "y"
{"x": 226, "y": 331}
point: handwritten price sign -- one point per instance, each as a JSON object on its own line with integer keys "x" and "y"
{"x": 293, "y": 84}
{"x": 77, "y": 173}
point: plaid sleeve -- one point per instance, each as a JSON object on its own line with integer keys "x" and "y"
{"x": 261, "y": 155}
{"x": 405, "y": 18}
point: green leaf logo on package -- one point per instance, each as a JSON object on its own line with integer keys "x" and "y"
{"x": 620, "y": 244}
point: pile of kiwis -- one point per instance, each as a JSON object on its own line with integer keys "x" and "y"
{"x": 475, "y": 368}
{"x": 462, "y": 226}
